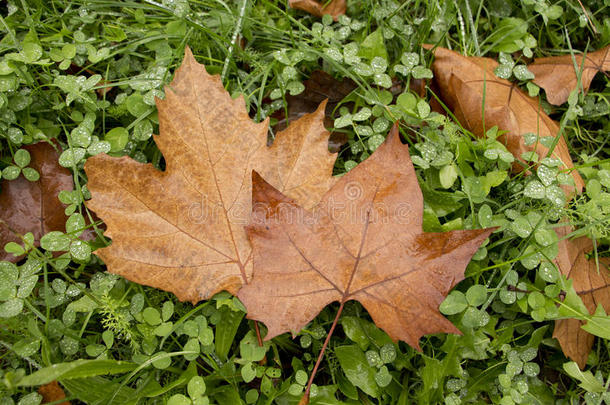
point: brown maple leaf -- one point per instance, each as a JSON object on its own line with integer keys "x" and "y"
{"x": 181, "y": 229}
{"x": 33, "y": 206}
{"x": 558, "y": 75}
{"x": 469, "y": 87}
{"x": 364, "y": 241}
{"x": 333, "y": 7}
{"x": 591, "y": 283}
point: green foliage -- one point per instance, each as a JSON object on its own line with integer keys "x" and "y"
{"x": 86, "y": 74}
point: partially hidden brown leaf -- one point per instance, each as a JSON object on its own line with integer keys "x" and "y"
{"x": 462, "y": 84}
{"x": 33, "y": 206}
{"x": 319, "y": 8}
{"x": 319, "y": 87}
{"x": 181, "y": 229}
{"x": 52, "y": 393}
{"x": 558, "y": 75}
{"x": 480, "y": 100}
{"x": 591, "y": 283}
{"x": 364, "y": 241}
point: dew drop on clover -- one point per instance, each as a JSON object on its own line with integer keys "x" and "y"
{"x": 373, "y": 358}
{"x": 334, "y": 54}
{"x": 409, "y": 59}
{"x": 546, "y": 175}
{"x": 534, "y": 189}
{"x": 387, "y": 353}
{"x": 548, "y": 272}
{"x": 503, "y": 71}
{"x": 455, "y": 384}
{"x": 531, "y": 369}
{"x": 383, "y": 80}
{"x": 68, "y": 346}
{"x": 11, "y": 308}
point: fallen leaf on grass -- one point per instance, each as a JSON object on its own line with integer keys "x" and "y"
{"x": 319, "y": 87}
{"x": 333, "y": 7}
{"x": 33, "y": 206}
{"x": 181, "y": 230}
{"x": 469, "y": 87}
{"x": 52, "y": 393}
{"x": 591, "y": 285}
{"x": 364, "y": 241}
{"x": 464, "y": 83}
{"x": 557, "y": 75}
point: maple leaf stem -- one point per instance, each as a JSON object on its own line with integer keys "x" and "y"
{"x": 305, "y": 399}
{"x": 258, "y": 334}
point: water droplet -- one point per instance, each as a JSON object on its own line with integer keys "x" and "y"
{"x": 455, "y": 384}
{"x": 362, "y": 115}
{"x": 409, "y": 59}
{"x": 381, "y": 124}
{"x": 534, "y": 189}
{"x": 546, "y": 175}
{"x": 373, "y": 358}
{"x": 531, "y": 369}
{"x": 503, "y": 71}
{"x": 548, "y": 272}
{"x": 363, "y": 69}
{"x": 379, "y": 64}
{"x": 334, "y": 54}
{"x": 521, "y": 227}
{"x": 11, "y": 308}
{"x": 383, "y": 80}
{"x": 387, "y": 353}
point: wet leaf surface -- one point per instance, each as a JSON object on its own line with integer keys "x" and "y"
{"x": 363, "y": 241}
{"x": 591, "y": 283}
{"x": 558, "y": 75}
{"x": 481, "y": 100}
{"x": 318, "y": 8}
{"x": 464, "y": 83}
{"x": 181, "y": 229}
{"x": 33, "y": 206}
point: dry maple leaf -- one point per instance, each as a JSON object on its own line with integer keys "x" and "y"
{"x": 364, "y": 241}
{"x": 181, "y": 229}
{"x": 469, "y": 87}
{"x": 591, "y": 283}
{"x": 333, "y": 7}
{"x": 33, "y": 206}
{"x": 557, "y": 75}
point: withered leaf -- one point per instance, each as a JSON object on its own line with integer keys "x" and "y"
{"x": 319, "y": 8}
{"x": 462, "y": 87}
{"x": 52, "y": 393}
{"x": 319, "y": 87}
{"x": 469, "y": 87}
{"x": 591, "y": 283}
{"x": 181, "y": 229}
{"x": 363, "y": 241}
{"x": 557, "y": 75}
{"x": 33, "y": 206}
